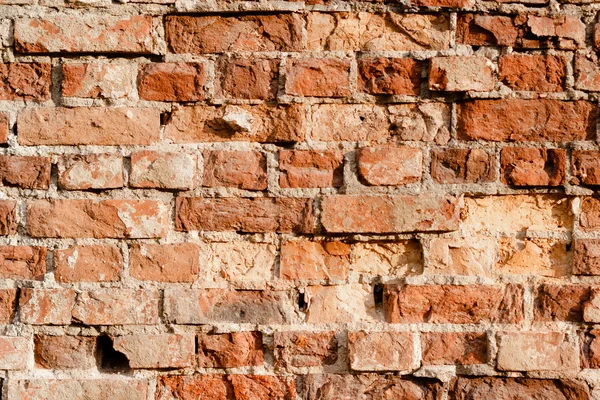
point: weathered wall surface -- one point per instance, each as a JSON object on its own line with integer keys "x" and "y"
{"x": 203, "y": 199}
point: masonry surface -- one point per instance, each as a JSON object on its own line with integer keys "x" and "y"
{"x": 285, "y": 200}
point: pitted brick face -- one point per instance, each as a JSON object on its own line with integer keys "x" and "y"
{"x": 282, "y": 200}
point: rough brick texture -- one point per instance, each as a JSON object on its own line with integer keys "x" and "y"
{"x": 283, "y": 200}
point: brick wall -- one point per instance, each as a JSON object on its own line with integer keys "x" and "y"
{"x": 345, "y": 200}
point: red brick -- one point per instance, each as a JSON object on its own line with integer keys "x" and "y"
{"x": 3, "y": 128}
{"x": 260, "y": 214}
{"x": 380, "y": 351}
{"x": 586, "y": 257}
{"x": 307, "y": 260}
{"x": 25, "y": 171}
{"x": 8, "y": 217}
{"x": 8, "y": 305}
{"x": 90, "y": 171}
{"x": 230, "y": 350}
{"x": 450, "y": 348}
{"x": 242, "y": 78}
{"x": 161, "y": 170}
{"x": 23, "y": 262}
{"x": 463, "y": 388}
{"x": 15, "y": 353}
{"x": 369, "y": 386}
{"x": 524, "y": 166}
{"x": 586, "y": 167}
{"x": 587, "y": 73}
{"x": 390, "y": 165}
{"x": 88, "y": 126}
{"x": 560, "y": 302}
{"x": 114, "y": 306}
{"x": 219, "y": 387}
{"x": 444, "y": 3}
{"x": 164, "y": 263}
{"x": 98, "y": 388}
{"x": 171, "y": 81}
{"x": 305, "y": 349}
{"x": 388, "y": 214}
{"x": 206, "y": 306}
{"x": 96, "y": 80}
{"x": 389, "y": 76}
{"x": 93, "y": 263}
{"x": 216, "y": 34}
{"x": 536, "y": 351}
{"x": 157, "y": 351}
{"x": 364, "y": 31}
{"x": 95, "y": 33}
{"x": 318, "y": 77}
{"x": 46, "y": 306}
{"x": 460, "y": 74}
{"x": 522, "y": 31}
{"x": 590, "y": 213}
{"x": 247, "y": 123}
{"x": 240, "y": 169}
{"x": 462, "y": 166}
{"x": 98, "y": 219}
{"x": 453, "y": 304}
{"x": 540, "y": 73}
{"x": 64, "y": 352}
{"x": 590, "y": 349}
{"x": 25, "y": 81}
{"x": 311, "y": 168}
{"x": 532, "y": 120}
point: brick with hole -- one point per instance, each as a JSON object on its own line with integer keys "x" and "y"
{"x": 311, "y": 168}
{"x": 93, "y": 263}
